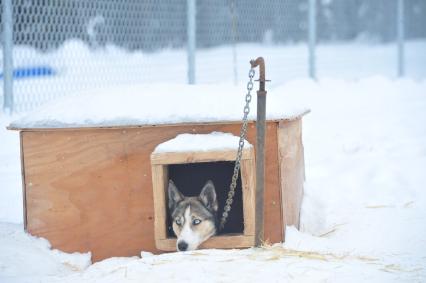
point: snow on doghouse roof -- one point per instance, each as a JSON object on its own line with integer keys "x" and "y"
{"x": 139, "y": 105}
{"x": 214, "y": 141}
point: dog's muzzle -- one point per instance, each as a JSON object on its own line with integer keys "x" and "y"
{"x": 182, "y": 246}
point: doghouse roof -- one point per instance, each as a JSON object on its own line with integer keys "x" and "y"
{"x": 144, "y": 105}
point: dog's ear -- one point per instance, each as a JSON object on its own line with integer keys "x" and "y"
{"x": 208, "y": 196}
{"x": 174, "y": 195}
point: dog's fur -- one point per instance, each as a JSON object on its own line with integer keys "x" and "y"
{"x": 194, "y": 218}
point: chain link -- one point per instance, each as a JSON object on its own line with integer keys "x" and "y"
{"x": 237, "y": 166}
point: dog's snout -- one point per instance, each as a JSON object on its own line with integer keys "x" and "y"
{"x": 182, "y": 246}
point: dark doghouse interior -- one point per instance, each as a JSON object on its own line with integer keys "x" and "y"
{"x": 190, "y": 179}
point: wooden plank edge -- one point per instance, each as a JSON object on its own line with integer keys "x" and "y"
{"x": 166, "y": 158}
{"x": 248, "y": 179}
{"x": 159, "y": 185}
{"x": 66, "y": 128}
{"x": 283, "y": 216}
{"x": 215, "y": 242}
{"x": 24, "y": 190}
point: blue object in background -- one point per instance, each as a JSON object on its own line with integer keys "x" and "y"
{"x": 31, "y": 72}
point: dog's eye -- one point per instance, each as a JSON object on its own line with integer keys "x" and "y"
{"x": 178, "y": 222}
{"x": 196, "y": 221}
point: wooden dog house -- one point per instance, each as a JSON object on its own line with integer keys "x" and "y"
{"x": 91, "y": 185}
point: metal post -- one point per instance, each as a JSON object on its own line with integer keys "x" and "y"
{"x": 191, "y": 36}
{"x": 260, "y": 151}
{"x": 260, "y": 166}
{"x": 7, "y": 56}
{"x": 400, "y": 37}
{"x": 312, "y": 32}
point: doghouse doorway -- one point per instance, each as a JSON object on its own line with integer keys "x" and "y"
{"x": 190, "y": 170}
{"x": 191, "y": 177}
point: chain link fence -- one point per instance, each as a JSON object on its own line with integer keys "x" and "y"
{"x": 60, "y": 47}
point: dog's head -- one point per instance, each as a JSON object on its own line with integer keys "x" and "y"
{"x": 194, "y": 218}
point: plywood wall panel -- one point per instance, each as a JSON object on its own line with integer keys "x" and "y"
{"x": 292, "y": 170}
{"x": 91, "y": 189}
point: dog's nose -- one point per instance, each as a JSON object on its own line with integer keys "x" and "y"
{"x": 182, "y": 246}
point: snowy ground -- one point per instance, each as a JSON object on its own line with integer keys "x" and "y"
{"x": 363, "y": 215}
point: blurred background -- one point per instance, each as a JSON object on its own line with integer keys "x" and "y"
{"x": 55, "y": 48}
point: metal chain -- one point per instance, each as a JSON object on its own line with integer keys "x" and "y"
{"x": 237, "y": 166}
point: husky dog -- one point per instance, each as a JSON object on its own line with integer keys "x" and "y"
{"x": 194, "y": 218}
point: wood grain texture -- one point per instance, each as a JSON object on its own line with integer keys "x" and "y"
{"x": 248, "y": 179}
{"x": 159, "y": 186}
{"x": 273, "y": 221}
{"x": 292, "y": 170}
{"x": 91, "y": 189}
{"x": 198, "y": 156}
{"x": 223, "y": 242}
